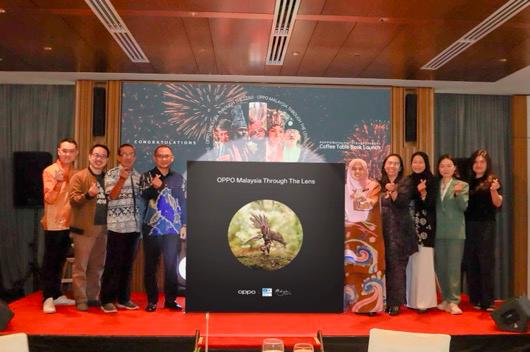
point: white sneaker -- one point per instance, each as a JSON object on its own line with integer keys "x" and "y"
{"x": 63, "y": 301}
{"x": 454, "y": 309}
{"x": 48, "y": 306}
{"x": 443, "y": 306}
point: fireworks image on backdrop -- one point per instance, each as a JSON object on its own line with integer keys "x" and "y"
{"x": 369, "y": 141}
{"x": 194, "y": 108}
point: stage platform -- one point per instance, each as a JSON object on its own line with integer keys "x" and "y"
{"x": 164, "y": 330}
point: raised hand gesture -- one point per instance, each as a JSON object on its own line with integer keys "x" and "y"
{"x": 156, "y": 182}
{"x": 422, "y": 188}
{"x": 495, "y": 184}
{"x": 459, "y": 186}
{"x": 390, "y": 187}
{"x": 93, "y": 190}
{"x": 124, "y": 173}
{"x": 59, "y": 175}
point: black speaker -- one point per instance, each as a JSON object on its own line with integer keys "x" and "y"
{"x": 5, "y": 315}
{"x": 99, "y": 110}
{"x": 411, "y": 121}
{"x": 27, "y": 185}
{"x": 513, "y": 315}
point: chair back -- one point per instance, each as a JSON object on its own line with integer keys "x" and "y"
{"x": 14, "y": 343}
{"x": 400, "y": 341}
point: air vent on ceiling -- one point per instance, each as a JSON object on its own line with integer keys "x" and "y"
{"x": 107, "y": 14}
{"x": 282, "y": 27}
{"x": 496, "y": 19}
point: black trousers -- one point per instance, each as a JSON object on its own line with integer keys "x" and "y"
{"x": 479, "y": 261}
{"x": 168, "y": 246}
{"x": 56, "y": 247}
{"x": 116, "y": 280}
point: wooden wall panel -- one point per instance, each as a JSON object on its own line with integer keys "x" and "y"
{"x": 425, "y": 124}
{"x": 112, "y": 123}
{"x": 83, "y": 136}
{"x": 83, "y": 120}
{"x": 520, "y": 187}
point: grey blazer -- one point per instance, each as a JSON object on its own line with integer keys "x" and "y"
{"x": 450, "y": 217}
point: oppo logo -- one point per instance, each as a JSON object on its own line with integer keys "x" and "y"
{"x": 246, "y": 292}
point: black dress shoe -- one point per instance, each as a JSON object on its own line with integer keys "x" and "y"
{"x": 94, "y": 303}
{"x": 393, "y": 310}
{"x": 172, "y": 306}
{"x": 151, "y": 307}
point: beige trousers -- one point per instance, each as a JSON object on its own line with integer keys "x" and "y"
{"x": 90, "y": 250}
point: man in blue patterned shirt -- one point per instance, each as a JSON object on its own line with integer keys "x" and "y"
{"x": 164, "y": 225}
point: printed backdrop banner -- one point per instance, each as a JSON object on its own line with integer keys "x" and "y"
{"x": 250, "y": 122}
{"x": 265, "y": 237}
{"x": 253, "y": 123}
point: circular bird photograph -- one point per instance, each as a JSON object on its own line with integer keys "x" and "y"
{"x": 265, "y": 235}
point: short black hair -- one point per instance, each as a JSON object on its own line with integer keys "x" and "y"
{"x": 125, "y": 145}
{"x": 162, "y": 146}
{"x": 100, "y": 146}
{"x": 67, "y": 140}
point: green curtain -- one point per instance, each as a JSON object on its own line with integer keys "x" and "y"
{"x": 464, "y": 123}
{"x": 32, "y": 118}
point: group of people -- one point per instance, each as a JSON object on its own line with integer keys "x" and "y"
{"x": 405, "y": 233}
{"x": 103, "y": 213}
{"x": 402, "y": 233}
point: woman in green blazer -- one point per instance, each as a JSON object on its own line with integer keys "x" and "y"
{"x": 451, "y": 204}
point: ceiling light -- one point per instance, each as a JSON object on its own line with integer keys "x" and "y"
{"x": 296, "y": 53}
{"x": 2, "y": 11}
{"x": 47, "y": 48}
{"x": 503, "y": 59}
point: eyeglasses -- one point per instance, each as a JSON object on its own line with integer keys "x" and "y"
{"x": 99, "y": 156}
{"x": 163, "y": 156}
{"x": 127, "y": 154}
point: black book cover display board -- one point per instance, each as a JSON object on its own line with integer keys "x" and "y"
{"x": 265, "y": 237}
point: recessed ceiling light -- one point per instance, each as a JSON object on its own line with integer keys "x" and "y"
{"x": 2, "y": 11}
{"x": 296, "y": 53}
{"x": 503, "y": 60}
{"x": 47, "y": 48}
{"x": 383, "y": 19}
{"x": 1, "y": 59}
{"x": 193, "y": 14}
{"x": 356, "y": 55}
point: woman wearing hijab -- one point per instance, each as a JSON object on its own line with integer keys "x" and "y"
{"x": 421, "y": 281}
{"x": 364, "y": 246}
{"x": 398, "y": 230}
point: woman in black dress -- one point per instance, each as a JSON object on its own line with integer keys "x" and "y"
{"x": 479, "y": 253}
{"x": 398, "y": 230}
